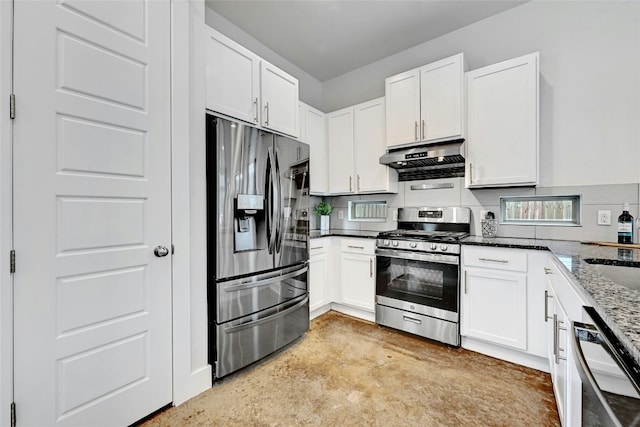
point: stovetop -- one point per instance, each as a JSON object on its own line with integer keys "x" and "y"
{"x": 424, "y": 235}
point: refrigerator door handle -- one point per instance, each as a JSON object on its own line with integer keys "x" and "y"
{"x": 279, "y": 204}
{"x": 264, "y": 282}
{"x": 271, "y": 197}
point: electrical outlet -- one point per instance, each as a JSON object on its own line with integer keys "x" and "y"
{"x": 604, "y": 217}
{"x": 395, "y": 214}
{"x": 340, "y": 214}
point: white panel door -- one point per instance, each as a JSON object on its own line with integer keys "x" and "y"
{"x": 340, "y": 140}
{"x": 402, "y": 93}
{"x": 369, "y": 144}
{"x": 232, "y": 81}
{"x": 279, "y": 94}
{"x": 92, "y": 200}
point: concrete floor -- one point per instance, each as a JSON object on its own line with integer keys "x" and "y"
{"x": 349, "y": 372}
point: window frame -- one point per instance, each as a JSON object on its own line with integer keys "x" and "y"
{"x": 575, "y": 221}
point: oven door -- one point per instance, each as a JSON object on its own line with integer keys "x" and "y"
{"x": 429, "y": 282}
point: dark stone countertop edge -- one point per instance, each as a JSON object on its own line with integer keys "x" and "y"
{"x": 366, "y": 234}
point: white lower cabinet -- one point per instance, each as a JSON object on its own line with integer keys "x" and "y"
{"x": 562, "y": 306}
{"x": 495, "y": 307}
{"x": 357, "y": 273}
{"x": 319, "y": 280}
{"x": 499, "y": 304}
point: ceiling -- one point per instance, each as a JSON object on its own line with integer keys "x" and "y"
{"x": 329, "y": 38}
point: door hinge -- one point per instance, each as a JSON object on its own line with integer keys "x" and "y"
{"x": 13, "y": 414}
{"x": 12, "y": 106}
{"x": 12, "y": 261}
{"x": 173, "y": 249}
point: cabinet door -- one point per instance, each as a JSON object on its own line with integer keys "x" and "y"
{"x": 502, "y": 147}
{"x": 315, "y": 137}
{"x": 494, "y": 307}
{"x": 318, "y": 276}
{"x": 279, "y": 95}
{"x": 340, "y": 140}
{"x": 402, "y": 93}
{"x": 369, "y": 145}
{"x": 232, "y": 78}
{"x": 441, "y": 99}
{"x": 558, "y": 349}
{"x": 358, "y": 287}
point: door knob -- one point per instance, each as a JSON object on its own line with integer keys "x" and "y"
{"x": 161, "y": 251}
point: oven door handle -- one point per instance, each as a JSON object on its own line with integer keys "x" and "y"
{"x": 416, "y": 256}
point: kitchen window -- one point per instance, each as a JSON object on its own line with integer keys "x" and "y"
{"x": 541, "y": 210}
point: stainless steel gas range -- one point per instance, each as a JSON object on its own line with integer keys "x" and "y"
{"x": 418, "y": 272}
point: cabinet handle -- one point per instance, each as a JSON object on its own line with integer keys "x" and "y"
{"x": 555, "y": 338}
{"x": 470, "y": 173}
{"x": 423, "y": 131}
{"x": 355, "y": 247}
{"x": 548, "y": 270}
{"x": 266, "y": 110}
{"x": 255, "y": 108}
{"x": 415, "y": 131}
{"x": 358, "y": 183}
{"x": 501, "y": 261}
{"x": 370, "y": 267}
{"x": 350, "y": 186}
{"x": 320, "y": 247}
{"x": 546, "y": 305}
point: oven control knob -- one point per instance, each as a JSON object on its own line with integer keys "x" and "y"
{"x": 433, "y": 246}
{"x": 413, "y": 245}
{"x": 394, "y": 243}
{"x": 386, "y": 243}
{"x": 443, "y": 247}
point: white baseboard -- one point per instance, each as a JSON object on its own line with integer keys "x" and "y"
{"x": 504, "y": 353}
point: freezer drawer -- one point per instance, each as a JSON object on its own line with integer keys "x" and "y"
{"x": 244, "y": 341}
{"x": 241, "y": 297}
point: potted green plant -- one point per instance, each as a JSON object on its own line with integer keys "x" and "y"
{"x": 323, "y": 209}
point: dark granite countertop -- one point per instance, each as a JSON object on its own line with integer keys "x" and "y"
{"x": 368, "y": 234}
{"x": 618, "y": 305}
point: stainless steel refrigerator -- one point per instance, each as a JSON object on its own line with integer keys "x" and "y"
{"x": 257, "y": 243}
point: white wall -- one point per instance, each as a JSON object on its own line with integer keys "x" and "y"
{"x": 310, "y": 88}
{"x": 589, "y": 81}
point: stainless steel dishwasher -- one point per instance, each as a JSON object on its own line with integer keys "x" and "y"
{"x": 610, "y": 375}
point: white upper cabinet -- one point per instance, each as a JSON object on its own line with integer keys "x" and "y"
{"x": 279, "y": 96}
{"x": 340, "y": 141}
{"x": 369, "y": 144}
{"x": 242, "y": 85}
{"x": 426, "y": 104}
{"x": 312, "y": 131}
{"x": 502, "y": 127}
{"x": 233, "y": 79}
{"x": 356, "y": 140}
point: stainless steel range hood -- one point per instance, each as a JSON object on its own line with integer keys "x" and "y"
{"x": 427, "y": 161}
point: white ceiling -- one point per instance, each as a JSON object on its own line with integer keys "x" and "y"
{"x": 329, "y": 38}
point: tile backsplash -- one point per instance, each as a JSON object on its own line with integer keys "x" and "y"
{"x": 594, "y": 198}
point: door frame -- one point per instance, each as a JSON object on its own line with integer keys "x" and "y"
{"x": 6, "y": 208}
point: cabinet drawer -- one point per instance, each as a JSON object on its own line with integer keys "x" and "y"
{"x": 494, "y": 258}
{"x": 358, "y": 246}
{"x": 319, "y": 246}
